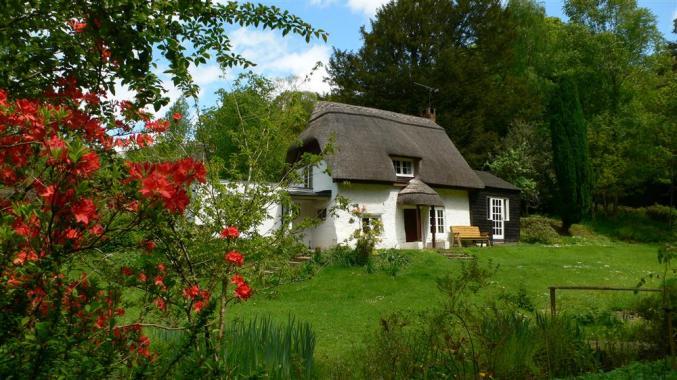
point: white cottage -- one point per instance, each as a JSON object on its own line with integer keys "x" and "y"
{"x": 401, "y": 169}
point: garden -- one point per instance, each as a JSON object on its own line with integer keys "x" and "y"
{"x": 128, "y": 222}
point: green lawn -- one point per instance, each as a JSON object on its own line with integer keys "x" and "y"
{"x": 344, "y": 304}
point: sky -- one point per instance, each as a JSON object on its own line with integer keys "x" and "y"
{"x": 291, "y": 56}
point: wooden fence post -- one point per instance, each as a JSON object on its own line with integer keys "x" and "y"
{"x": 553, "y": 302}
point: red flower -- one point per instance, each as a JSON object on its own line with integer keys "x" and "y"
{"x": 96, "y": 230}
{"x": 144, "y": 343}
{"x": 177, "y": 116}
{"x": 230, "y": 232}
{"x": 100, "y": 322}
{"x": 142, "y": 277}
{"x": 156, "y": 184}
{"x": 237, "y": 280}
{"x": 23, "y": 256}
{"x": 161, "y": 304}
{"x": 77, "y": 26}
{"x": 88, "y": 164}
{"x": 161, "y": 267}
{"x": 243, "y": 291}
{"x": 198, "y": 306}
{"x": 159, "y": 281}
{"x": 47, "y": 192}
{"x": 149, "y": 245}
{"x": 84, "y": 211}
{"x": 55, "y": 143}
{"x": 119, "y": 312}
{"x": 72, "y": 234}
{"x": 235, "y": 258}
{"x": 126, "y": 271}
{"x": 191, "y": 291}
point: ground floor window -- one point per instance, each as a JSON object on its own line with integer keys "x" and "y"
{"x": 369, "y": 222}
{"x": 322, "y": 214}
{"x": 437, "y": 220}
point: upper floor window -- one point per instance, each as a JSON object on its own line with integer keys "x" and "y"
{"x": 403, "y": 167}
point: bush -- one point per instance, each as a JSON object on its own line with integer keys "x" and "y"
{"x": 342, "y": 255}
{"x": 661, "y": 213}
{"x": 391, "y": 261}
{"x": 636, "y": 371}
{"x": 538, "y": 229}
{"x": 636, "y": 224}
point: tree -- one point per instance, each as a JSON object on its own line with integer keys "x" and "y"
{"x": 570, "y": 153}
{"x": 101, "y": 44}
{"x": 251, "y": 127}
{"x": 470, "y": 50}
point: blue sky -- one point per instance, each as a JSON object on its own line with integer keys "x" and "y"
{"x": 280, "y": 57}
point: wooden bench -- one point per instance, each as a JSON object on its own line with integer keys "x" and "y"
{"x": 469, "y": 233}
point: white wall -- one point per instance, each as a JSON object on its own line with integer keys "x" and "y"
{"x": 381, "y": 200}
{"x": 377, "y": 199}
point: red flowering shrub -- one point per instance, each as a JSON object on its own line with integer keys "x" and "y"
{"x": 66, "y": 197}
{"x": 234, "y": 258}
{"x": 230, "y": 232}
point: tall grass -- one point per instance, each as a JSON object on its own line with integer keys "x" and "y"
{"x": 256, "y": 348}
{"x": 260, "y": 346}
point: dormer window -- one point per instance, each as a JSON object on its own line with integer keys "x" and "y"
{"x": 404, "y": 167}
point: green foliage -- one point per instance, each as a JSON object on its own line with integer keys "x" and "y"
{"x": 39, "y": 46}
{"x": 538, "y": 229}
{"x": 391, "y": 261}
{"x": 465, "y": 342}
{"x": 255, "y": 348}
{"x": 342, "y": 255}
{"x": 474, "y": 52}
{"x": 636, "y": 371}
{"x": 570, "y": 153}
{"x": 662, "y": 213}
{"x": 633, "y": 225}
{"x": 495, "y": 63}
{"x": 252, "y": 128}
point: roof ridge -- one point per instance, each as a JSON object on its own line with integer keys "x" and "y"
{"x": 324, "y": 107}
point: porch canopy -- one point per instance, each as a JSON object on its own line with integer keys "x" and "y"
{"x": 419, "y": 194}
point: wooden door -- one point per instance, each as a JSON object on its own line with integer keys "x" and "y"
{"x": 411, "y": 222}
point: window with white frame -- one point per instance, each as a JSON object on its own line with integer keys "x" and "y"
{"x": 437, "y": 220}
{"x": 404, "y": 167}
{"x": 308, "y": 177}
{"x": 368, "y": 222}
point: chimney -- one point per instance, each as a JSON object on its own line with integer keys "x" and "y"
{"x": 429, "y": 113}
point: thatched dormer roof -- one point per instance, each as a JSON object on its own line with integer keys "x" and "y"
{"x": 418, "y": 193}
{"x": 367, "y": 139}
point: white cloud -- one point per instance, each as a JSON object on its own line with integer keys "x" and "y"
{"x": 367, "y": 7}
{"x": 275, "y": 56}
{"x": 322, "y": 3}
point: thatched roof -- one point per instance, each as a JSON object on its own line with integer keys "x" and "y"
{"x": 418, "y": 193}
{"x": 492, "y": 181}
{"x": 366, "y": 139}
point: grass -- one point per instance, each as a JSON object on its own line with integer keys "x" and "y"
{"x": 344, "y": 305}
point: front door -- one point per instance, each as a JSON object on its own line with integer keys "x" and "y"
{"x": 411, "y": 222}
{"x": 497, "y": 211}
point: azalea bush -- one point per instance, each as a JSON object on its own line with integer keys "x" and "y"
{"x": 93, "y": 247}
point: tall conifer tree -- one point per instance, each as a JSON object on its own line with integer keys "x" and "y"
{"x": 570, "y": 153}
